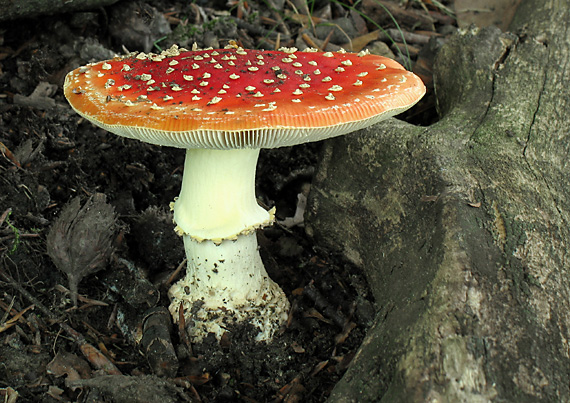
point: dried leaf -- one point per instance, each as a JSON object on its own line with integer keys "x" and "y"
{"x": 297, "y": 348}
{"x": 81, "y": 239}
{"x": 55, "y": 392}
{"x": 9, "y": 395}
{"x": 5, "y": 151}
{"x": 98, "y": 360}
{"x": 293, "y": 392}
{"x": 342, "y": 336}
{"x": 11, "y": 322}
{"x": 313, "y": 313}
{"x": 70, "y": 365}
{"x": 319, "y": 367}
{"x": 196, "y": 380}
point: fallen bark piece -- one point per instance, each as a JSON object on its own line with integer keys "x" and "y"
{"x": 40, "y": 98}
{"x": 70, "y": 365}
{"x": 156, "y": 343}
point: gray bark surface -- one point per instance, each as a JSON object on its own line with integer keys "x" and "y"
{"x": 462, "y": 228}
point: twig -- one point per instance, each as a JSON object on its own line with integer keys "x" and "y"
{"x": 175, "y": 273}
{"x": 182, "y": 330}
{"x": 5, "y": 215}
{"x": 409, "y": 37}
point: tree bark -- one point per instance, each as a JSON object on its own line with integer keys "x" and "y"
{"x": 462, "y": 227}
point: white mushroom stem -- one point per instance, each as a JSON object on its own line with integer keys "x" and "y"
{"x": 217, "y": 214}
{"x": 217, "y": 200}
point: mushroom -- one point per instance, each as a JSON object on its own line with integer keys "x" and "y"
{"x": 223, "y": 106}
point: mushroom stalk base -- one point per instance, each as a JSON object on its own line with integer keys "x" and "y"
{"x": 226, "y": 283}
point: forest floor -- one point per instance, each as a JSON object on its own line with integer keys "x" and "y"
{"x": 53, "y": 351}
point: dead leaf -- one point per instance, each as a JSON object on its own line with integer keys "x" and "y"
{"x": 359, "y": 43}
{"x": 297, "y": 348}
{"x": 319, "y": 367}
{"x": 484, "y": 13}
{"x": 5, "y": 151}
{"x": 292, "y": 392}
{"x": 55, "y": 392}
{"x": 313, "y": 313}
{"x": 196, "y": 380}
{"x": 427, "y": 198}
{"x": 12, "y": 321}
{"x": 342, "y": 336}
{"x": 81, "y": 239}
{"x": 9, "y": 395}
{"x": 98, "y": 359}
{"x": 70, "y": 365}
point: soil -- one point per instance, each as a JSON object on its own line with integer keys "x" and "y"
{"x": 99, "y": 350}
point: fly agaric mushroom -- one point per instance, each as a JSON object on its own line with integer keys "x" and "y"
{"x": 223, "y": 106}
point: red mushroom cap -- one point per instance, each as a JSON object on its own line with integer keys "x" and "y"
{"x": 237, "y": 98}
